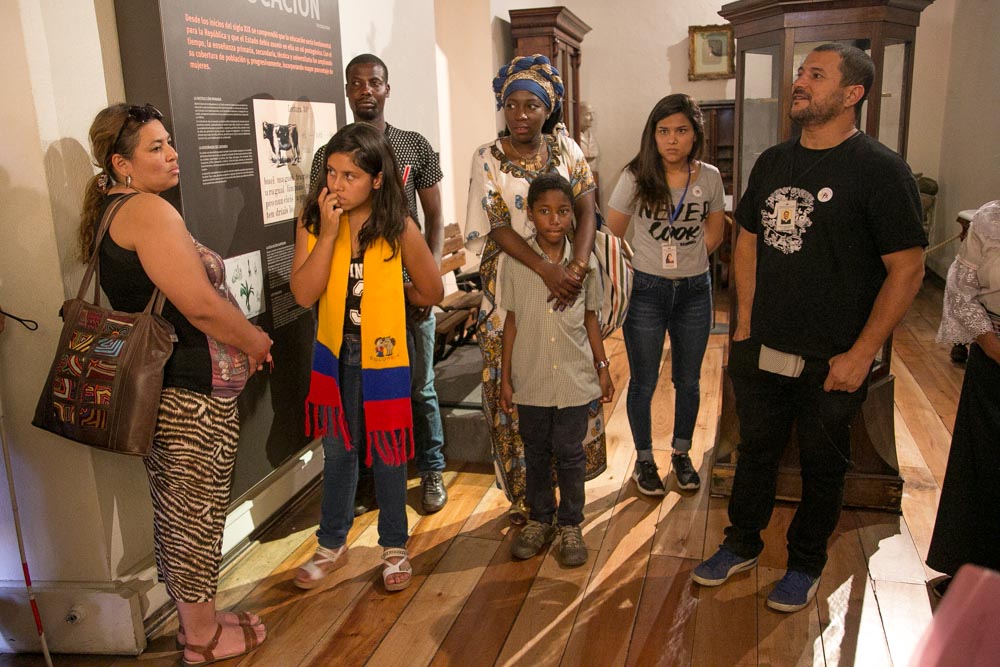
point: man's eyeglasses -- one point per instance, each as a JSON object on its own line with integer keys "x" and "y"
{"x": 143, "y": 114}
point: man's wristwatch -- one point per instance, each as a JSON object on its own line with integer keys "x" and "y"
{"x": 602, "y": 364}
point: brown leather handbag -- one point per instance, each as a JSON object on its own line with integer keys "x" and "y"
{"x": 103, "y": 388}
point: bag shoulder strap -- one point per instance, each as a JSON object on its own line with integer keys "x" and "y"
{"x": 94, "y": 264}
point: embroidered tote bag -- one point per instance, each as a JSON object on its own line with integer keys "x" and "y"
{"x": 103, "y": 388}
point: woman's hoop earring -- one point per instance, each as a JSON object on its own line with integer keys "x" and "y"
{"x": 128, "y": 181}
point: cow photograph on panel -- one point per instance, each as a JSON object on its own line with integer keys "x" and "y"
{"x": 288, "y": 133}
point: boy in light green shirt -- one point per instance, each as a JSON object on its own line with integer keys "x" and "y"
{"x": 553, "y": 366}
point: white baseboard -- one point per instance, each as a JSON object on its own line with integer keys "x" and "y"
{"x": 77, "y": 618}
{"x": 109, "y": 617}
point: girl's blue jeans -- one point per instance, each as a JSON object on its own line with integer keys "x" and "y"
{"x": 340, "y": 468}
{"x": 683, "y": 309}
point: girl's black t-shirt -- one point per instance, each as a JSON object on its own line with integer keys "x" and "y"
{"x": 355, "y": 287}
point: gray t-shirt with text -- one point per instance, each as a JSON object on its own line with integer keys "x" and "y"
{"x": 655, "y": 236}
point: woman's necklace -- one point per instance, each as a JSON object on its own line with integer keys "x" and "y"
{"x": 532, "y": 162}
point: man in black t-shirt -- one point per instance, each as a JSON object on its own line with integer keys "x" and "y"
{"x": 420, "y": 167}
{"x": 827, "y": 261}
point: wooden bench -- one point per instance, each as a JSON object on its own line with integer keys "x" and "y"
{"x": 456, "y": 324}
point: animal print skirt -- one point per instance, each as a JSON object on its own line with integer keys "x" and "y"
{"x": 190, "y": 470}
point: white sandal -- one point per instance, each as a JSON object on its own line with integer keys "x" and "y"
{"x": 402, "y": 567}
{"x": 316, "y": 569}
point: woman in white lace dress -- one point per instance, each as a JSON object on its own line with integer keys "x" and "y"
{"x": 967, "y": 528}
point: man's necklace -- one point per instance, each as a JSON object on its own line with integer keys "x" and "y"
{"x": 825, "y": 155}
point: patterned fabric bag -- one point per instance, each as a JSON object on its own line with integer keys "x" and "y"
{"x": 614, "y": 257}
{"x": 103, "y": 388}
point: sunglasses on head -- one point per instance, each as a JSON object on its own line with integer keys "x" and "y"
{"x": 143, "y": 114}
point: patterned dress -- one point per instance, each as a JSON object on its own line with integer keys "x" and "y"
{"x": 498, "y": 197}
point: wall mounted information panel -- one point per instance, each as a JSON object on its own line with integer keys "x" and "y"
{"x": 250, "y": 90}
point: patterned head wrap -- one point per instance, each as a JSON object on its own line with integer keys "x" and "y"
{"x": 534, "y": 74}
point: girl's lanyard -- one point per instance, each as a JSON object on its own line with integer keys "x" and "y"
{"x": 677, "y": 211}
{"x": 669, "y": 250}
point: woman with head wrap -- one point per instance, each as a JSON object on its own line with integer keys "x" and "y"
{"x": 529, "y": 91}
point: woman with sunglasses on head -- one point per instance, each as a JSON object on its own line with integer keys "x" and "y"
{"x": 529, "y": 91}
{"x": 190, "y": 464}
{"x": 676, "y": 203}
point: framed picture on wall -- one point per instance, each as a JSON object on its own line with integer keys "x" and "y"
{"x": 710, "y": 52}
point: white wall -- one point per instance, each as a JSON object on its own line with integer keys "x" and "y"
{"x": 465, "y": 59}
{"x": 969, "y": 172}
{"x": 930, "y": 80}
{"x": 401, "y": 33}
{"x": 57, "y": 75}
{"x": 927, "y": 112}
{"x": 43, "y": 169}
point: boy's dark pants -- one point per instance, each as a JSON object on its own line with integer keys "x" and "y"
{"x": 767, "y": 406}
{"x": 556, "y": 433}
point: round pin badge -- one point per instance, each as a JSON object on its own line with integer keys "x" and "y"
{"x": 825, "y": 195}
{"x": 696, "y": 191}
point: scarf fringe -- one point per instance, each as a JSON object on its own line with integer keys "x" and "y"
{"x": 385, "y": 370}
{"x": 323, "y": 419}
{"x": 395, "y": 448}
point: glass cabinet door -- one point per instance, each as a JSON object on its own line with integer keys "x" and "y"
{"x": 761, "y": 118}
{"x": 890, "y": 122}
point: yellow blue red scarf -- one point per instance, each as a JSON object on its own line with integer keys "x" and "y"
{"x": 385, "y": 362}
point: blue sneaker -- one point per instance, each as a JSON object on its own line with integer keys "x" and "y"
{"x": 722, "y": 565}
{"x": 795, "y": 591}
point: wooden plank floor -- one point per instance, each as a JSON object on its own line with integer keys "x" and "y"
{"x": 633, "y": 602}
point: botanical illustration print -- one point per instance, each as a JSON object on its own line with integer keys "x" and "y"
{"x": 786, "y": 235}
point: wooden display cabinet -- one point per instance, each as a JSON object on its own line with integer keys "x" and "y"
{"x": 556, "y": 33}
{"x": 720, "y": 145}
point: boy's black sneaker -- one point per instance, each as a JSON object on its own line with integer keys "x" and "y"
{"x": 687, "y": 476}
{"x": 647, "y": 479}
{"x": 572, "y": 550}
{"x": 532, "y": 539}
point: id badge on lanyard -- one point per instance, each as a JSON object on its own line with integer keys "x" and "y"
{"x": 784, "y": 211}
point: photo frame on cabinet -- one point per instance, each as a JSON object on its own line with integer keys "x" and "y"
{"x": 710, "y": 52}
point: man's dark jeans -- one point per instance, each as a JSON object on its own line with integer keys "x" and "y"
{"x": 768, "y": 405}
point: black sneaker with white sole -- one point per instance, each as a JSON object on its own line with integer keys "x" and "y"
{"x": 647, "y": 479}
{"x": 687, "y": 476}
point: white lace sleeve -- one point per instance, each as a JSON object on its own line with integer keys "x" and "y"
{"x": 963, "y": 318}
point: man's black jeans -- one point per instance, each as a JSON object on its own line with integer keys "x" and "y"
{"x": 768, "y": 405}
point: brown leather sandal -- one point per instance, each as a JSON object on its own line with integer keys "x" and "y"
{"x": 242, "y": 618}
{"x": 208, "y": 650}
